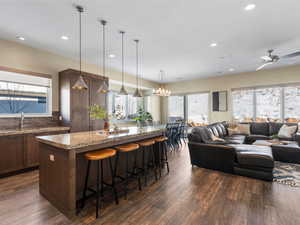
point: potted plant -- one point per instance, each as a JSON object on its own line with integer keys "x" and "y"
{"x": 97, "y": 112}
{"x": 143, "y": 117}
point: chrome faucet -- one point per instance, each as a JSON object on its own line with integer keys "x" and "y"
{"x": 22, "y": 120}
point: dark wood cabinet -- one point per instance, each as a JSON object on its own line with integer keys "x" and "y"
{"x": 31, "y": 148}
{"x": 74, "y": 104}
{"x": 19, "y": 152}
{"x": 11, "y": 153}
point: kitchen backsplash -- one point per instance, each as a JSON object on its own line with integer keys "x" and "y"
{"x": 30, "y": 122}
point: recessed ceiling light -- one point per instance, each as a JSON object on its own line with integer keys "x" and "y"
{"x": 21, "y": 38}
{"x": 231, "y": 69}
{"x": 64, "y": 37}
{"x": 111, "y": 56}
{"x": 250, "y": 7}
{"x": 213, "y": 44}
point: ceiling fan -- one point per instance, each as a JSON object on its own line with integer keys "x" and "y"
{"x": 270, "y": 58}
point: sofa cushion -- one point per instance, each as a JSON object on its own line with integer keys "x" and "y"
{"x": 233, "y": 131}
{"x": 222, "y": 126}
{"x": 260, "y": 129}
{"x": 274, "y": 128}
{"x": 244, "y": 129}
{"x": 289, "y": 153}
{"x": 214, "y": 131}
{"x": 235, "y": 139}
{"x": 253, "y": 155}
{"x": 287, "y": 131}
{"x": 206, "y": 135}
{"x": 220, "y": 131}
{"x": 195, "y": 135}
{"x": 252, "y": 138}
{"x": 209, "y": 129}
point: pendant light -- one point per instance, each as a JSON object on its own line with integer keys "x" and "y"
{"x": 162, "y": 91}
{"x": 80, "y": 83}
{"x": 103, "y": 89}
{"x": 137, "y": 92}
{"x": 123, "y": 90}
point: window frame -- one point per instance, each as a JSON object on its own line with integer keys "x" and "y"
{"x": 49, "y": 99}
{"x": 208, "y": 105}
{"x": 185, "y": 104}
{"x": 282, "y": 98}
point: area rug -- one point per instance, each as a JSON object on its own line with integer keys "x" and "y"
{"x": 287, "y": 173}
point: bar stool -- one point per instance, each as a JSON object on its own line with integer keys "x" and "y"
{"x": 147, "y": 146}
{"x": 162, "y": 153}
{"x": 126, "y": 149}
{"x": 99, "y": 156}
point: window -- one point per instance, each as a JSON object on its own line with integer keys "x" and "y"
{"x": 267, "y": 104}
{"x": 197, "y": 107}
{"x": 175, "y": 108}
{"x": 242, "y": 101}
{"x": 292, "y": 104}
{"x": 123, "y": 107}
{"x": 193, "y": 107}
{"x": 24, "y": 93}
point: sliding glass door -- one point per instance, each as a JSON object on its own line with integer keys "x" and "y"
{"x": 175, "y": 108}
{"x": 197, "y": 107}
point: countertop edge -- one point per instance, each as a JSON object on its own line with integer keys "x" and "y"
{"x": 73, "y": 147}
{"x": 4, "y": 133}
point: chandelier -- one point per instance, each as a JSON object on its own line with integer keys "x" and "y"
{"x": 162, "y": 91}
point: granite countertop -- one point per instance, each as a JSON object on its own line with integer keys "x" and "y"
{"x": 83, "y": 139}
{"x": 31, "y": 130}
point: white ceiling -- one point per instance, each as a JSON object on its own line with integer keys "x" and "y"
{"x": 175, "y": 34}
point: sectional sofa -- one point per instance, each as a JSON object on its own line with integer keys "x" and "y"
{"x": 237, "y": 154}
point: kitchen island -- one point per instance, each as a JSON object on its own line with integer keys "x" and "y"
{"x": 63, "y": 166}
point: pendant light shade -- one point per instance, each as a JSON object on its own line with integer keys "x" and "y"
{"x": 137, "y": 93}
{"x": 80, "y": 83}
{"x": 103, "y": 89}
{"x": 123, "y": 90}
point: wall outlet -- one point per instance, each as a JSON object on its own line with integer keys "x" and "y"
{"x": 51, "y": 157}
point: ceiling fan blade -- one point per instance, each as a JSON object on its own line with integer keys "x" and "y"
{"x": 262, "y": 66}
{"x": 295, "y": 54}
{"x": 266, "y": 58}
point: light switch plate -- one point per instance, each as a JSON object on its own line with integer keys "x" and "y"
{"x": 51, "y": 157}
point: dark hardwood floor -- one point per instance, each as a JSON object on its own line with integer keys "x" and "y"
{"x": 186, "y": 196}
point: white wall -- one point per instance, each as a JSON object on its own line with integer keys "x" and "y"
{"x": 265, "y": 77}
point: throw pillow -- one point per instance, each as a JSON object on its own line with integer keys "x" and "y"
{"x": 205, "y": 134}
{"x": 233, "y": 131}
{"x": 244, "y": 129}
{"x": 287, "y": 131}
{"x": 214, "y": 138}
